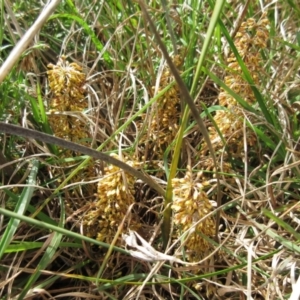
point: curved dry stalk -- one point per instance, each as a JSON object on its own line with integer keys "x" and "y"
{"x": 46, "y": 138}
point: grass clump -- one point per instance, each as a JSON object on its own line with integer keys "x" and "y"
{"x": 201, "y": 220}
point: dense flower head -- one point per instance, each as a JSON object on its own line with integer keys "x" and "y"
{"x": 66, "y": 82}
{"x": 190, "y": 205}
{"x": 66, "y": 108}
{"x": 165, "y": 117}
{"x": 66, "y": 78}
{"x": 115, "y": 194}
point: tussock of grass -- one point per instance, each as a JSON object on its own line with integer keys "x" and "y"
{"x": 214, "y": 202}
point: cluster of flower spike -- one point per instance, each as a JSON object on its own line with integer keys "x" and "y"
{"x": 190, "y": 201}
{"x": 191, "y": 206}
{"x": 115, "y": 196}
{"x": 251, "y": 37}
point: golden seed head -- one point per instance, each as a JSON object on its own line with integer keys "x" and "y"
{"x": 66, "y": 79}
{"x": 115, "y": 195}
{"x": 191, "y": 204}
{"x": 251, "y": 35}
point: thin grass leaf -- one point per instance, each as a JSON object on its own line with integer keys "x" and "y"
{"x": 46, "y": 260}
{"x": 42, "y": 113}
{"x": 34, "y": 109}
{"x": 237, "y": 97}
{"x": 24, "y": 246}
{"x": 217, "y": 10}
{"x": 286, "y": 243}
{"x": 89, "y": 31}
{"x": 110, "y": 296}
{"x": 268, "y": 141}
{"x": 20, "y": 209}
{"x": 63, "y": 231}
{"x": 185, "y": 288}
{"x": 132, "y": 279}
{"x": 210, "y": 117}
{"x": 282, "y": 224}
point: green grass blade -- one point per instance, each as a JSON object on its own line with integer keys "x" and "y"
{"x": 42, "y": 112}
{"x": 271, "y": 233}
{"x": 24, "y": 246}
{"x": 215, "y": 18}
{"x": 237, "y": 97}
{"x": 20, "y": 209}
{"x": 282, "y": 224}
{"x": 48, "y": 255}
{"x": 66, "y": 232}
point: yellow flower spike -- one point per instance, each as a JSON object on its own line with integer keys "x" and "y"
{"x": 114, "y": 197}
{"x": 190, "y": 204}
{"x": 66, "y": 81}
{"x": 165, "y": 114}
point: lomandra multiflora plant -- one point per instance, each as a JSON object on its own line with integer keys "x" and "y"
{"x": 190, "y": 201}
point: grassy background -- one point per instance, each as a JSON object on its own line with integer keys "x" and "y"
{"x": 47, "y": 191}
